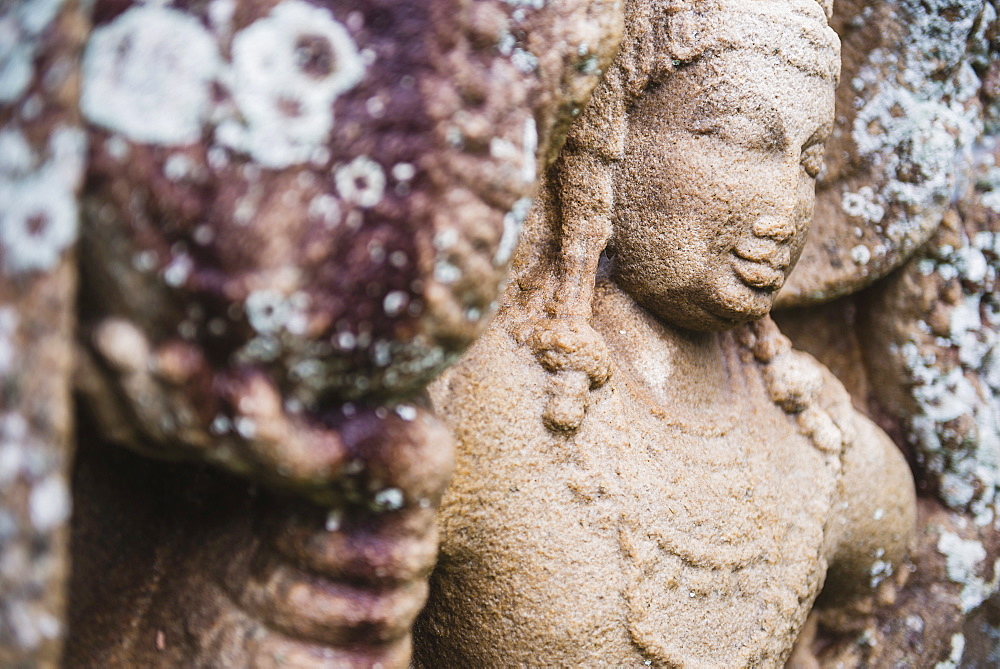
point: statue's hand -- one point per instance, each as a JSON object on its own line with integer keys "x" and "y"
{"x": 242, "y": 421}
{"x": 246, "y": 576}
{"x": 347, "y": 581}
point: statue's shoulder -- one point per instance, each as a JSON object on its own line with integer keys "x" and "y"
{"x": 496, "y": 382}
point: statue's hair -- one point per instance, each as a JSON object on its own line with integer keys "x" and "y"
{"x": 663, "y": 35}
{"x": 660, "y": 37}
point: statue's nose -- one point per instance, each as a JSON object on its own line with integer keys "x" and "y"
{"x": 778, "y": 228}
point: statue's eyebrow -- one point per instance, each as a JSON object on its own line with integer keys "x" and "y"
{"x": 720, "y": 99}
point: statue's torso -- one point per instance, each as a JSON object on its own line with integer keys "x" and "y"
{"x": 683, "y": 528}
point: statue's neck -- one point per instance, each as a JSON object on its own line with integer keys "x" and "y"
{"x": 679, "y": 370}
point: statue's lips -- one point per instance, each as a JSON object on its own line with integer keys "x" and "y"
{"x": 761, "y": 263}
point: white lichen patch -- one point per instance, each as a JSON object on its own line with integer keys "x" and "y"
{"x": 512, "y": 223}
{"x": 221, "y": 424}
{"x": 31, "y": 625}
{"x": 148, "y": 76}
{"x": 21, "y": 24}
{"x": 524, "y": 60}
{"x": 506, "y": 44}
{"x": 506, "y": 151}
{"x": 176, "y": 273}
{"x": 861, "y": 254}
{"x": 406, "y": 412}
{"x": 446, "y": 272}
{"x": 361, "y": 182}
{"x": 531, "y": 4}
{"x": 955, "y": 656}
{"x": 394, "y": 303}
{"x": 917, "y": 117}
{"x": 529, "y": 148}
{"x": 390, "y": 499}
{"x": 963, "y": 561}
{"x": 36, "y": 15}
{"x": 268, "y": 311}
{"x": 38, "y": 207}
{"x": 325, "y": 209}
{"x": 220, "y": 16}
{"x": 956, "y": 422}
{"x": 245, "y": 427}
{"x": 287, "y": 70}
{"x": 862, "y": 205}
{"x": 9, "y": 321}
{"x": 403, "y": 171}
{"x": 281, "y": 327}
{"x": 915, "y": 623}
{"x": 989, "y": 182}
{"x": 501, "y": 149}
{"x": 179, "y": 167}
{"x": 879, "y": 571}
{"x": 49, "y": 504}
{"x": 16, "y": 55}
{"x": 15, "y": 444}
{"x": 15, "y": 152}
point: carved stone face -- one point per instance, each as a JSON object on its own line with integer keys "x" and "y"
{"x": 717, "y": 187}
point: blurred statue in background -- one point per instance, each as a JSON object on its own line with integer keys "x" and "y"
{"x": 294, "y": 214}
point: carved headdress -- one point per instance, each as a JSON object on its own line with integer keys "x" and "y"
{"x": 663, "y": 35}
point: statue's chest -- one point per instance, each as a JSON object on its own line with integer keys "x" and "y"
{"x": 721, "y": 529}
{"x": 727, "y": 500}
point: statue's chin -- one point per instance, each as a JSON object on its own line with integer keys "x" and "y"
{"x": 721, "y": 309}
{"x": 709, "y": 301}
{"x": 736, "y": 302}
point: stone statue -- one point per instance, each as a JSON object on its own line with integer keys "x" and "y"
{"x": 646, "y": 471}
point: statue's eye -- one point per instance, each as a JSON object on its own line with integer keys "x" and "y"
{"x": 740, "y": 130}
{"x": 812, "y": 159}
